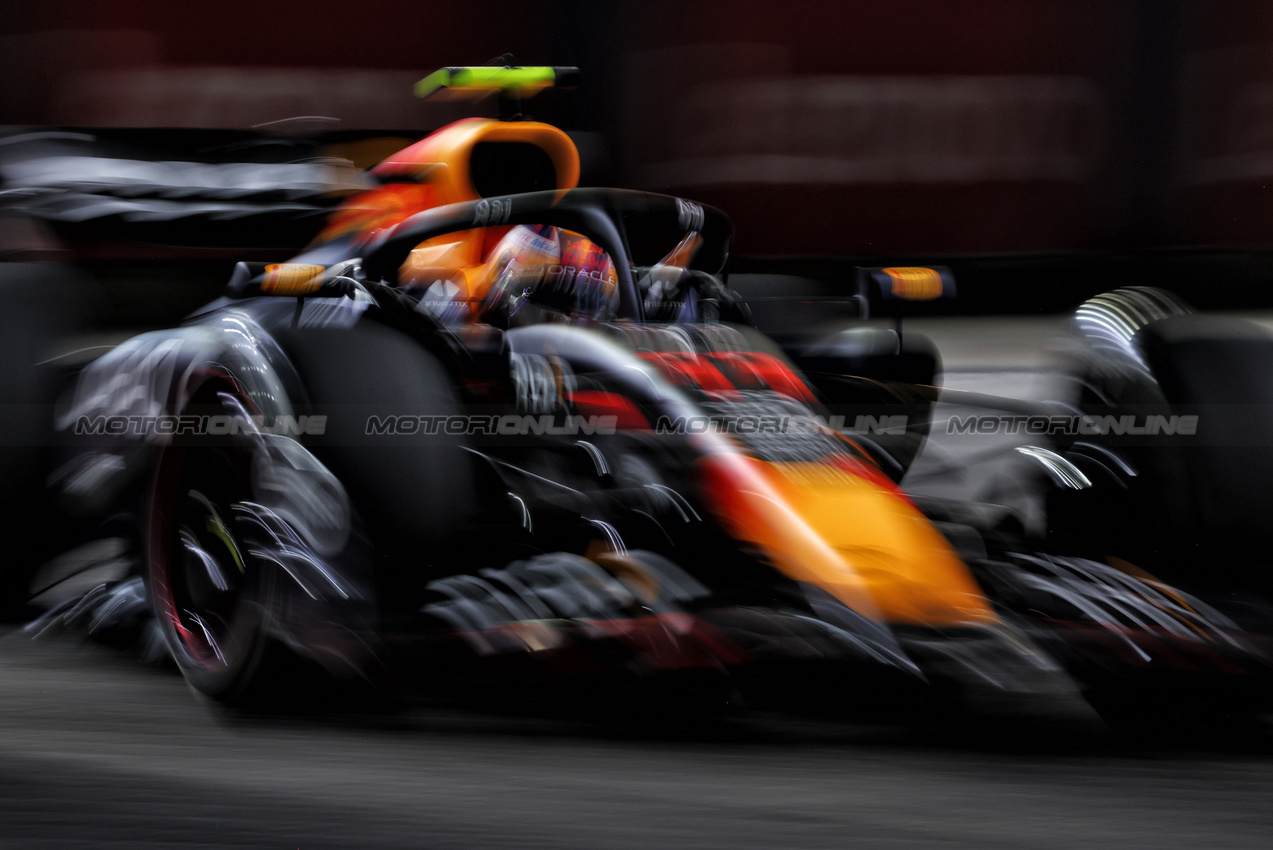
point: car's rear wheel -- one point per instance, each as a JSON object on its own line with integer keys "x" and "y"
{"x": 45, "y": 305}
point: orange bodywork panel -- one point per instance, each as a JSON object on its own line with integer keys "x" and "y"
{"x": 436, "y": 172}
{"x": 448, "y": 151}
{"x": 461, "y": 258}
{"x": 370, "y": 212}
{"x": 860, "y": 541}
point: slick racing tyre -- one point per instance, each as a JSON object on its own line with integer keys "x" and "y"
{"x": 415, "y": 492}
{"x": 237, "y": 621}
{"x": 1176, "y": 502}
{"x": 410, "y": 485}
{"x": 1221, "y": 371}
{"x": 1138, "y": 505}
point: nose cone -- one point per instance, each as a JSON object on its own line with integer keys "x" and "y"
{"x": 858, "y": 538}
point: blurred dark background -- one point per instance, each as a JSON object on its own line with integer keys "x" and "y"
{"x": 1044, "y": 148}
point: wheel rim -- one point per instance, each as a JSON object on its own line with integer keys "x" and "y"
{"x": 208, "y": 576}
{"x": 204, "y": 580}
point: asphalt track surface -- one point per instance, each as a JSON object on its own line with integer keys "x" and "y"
{"x": 98, "y": 750}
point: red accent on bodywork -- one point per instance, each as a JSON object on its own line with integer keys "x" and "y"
{"x": 685, "y": 368}
{"x": 756, "y": 370}
{"x": 671, "y": 641}
{"x": 1158, "y": 647}
{"x": 600, "y": 403}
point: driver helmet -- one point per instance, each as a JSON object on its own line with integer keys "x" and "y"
{"x": 542, "y": 273}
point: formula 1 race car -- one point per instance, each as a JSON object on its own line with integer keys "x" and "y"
{"x": 502, "y": 423}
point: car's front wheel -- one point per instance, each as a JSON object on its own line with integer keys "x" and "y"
{"x": 209, "y": 587}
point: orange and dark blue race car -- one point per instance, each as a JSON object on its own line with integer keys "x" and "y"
{"x": 494, "y": 426}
